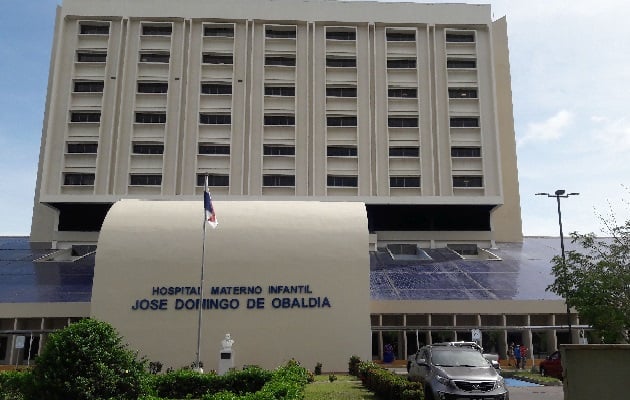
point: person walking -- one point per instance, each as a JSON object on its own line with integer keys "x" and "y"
{"x": 510, "y": 354}
{"x": 523, "y": 356}
{"x": 517, "y": 356}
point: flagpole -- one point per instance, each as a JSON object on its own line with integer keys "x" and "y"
{"x": 203, "y": 259}
{"x": 203, "y": 262}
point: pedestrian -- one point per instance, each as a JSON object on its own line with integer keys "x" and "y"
{"x": 510, "y": 354}
{"x": 517, "y": 356}
{"x": 523, "y": 356}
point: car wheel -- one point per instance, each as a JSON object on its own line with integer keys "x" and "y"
{"x": 543, "y": 372}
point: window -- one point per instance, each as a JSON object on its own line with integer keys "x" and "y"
{"x": 279, "y": 91}
{"x": 274, "y": 150}
{"x": 277, "y": 60}
{"x": 341, "y": 151}
{"x": 89, "y": 86}
{"x": 82, "y": 148}
{"x": 465, "y": 152}
{"x": 464, "y": 122}
{"x": 214, "y": 149}
{"x": 462, "y": 93}
{"x": 216, "y": 88}
{"x": 157, "y": 30}
{"x": 217, "y": 59}
{"x": 155, "y": 57}
{"x": 279, "y": 120}
{"x": 467, "y": 181}
{"x": 215, "y": 119}
{"x": 341, "y": 35}
{"x": 94, "y": 29}
{"x": 213, "y": 180}
{"x": 218, "y": 31}
{"x": 460, "y": 37}
{"x": 150, "y": 118}
{"x": 78, "y": 179}
{"x": 152, "y": 87}
{"x": 82, "y": 116}
{"x": 401, "y": 63}
{"x": 341, "y": 92}
{"x": 461, "y": 63}
{"x": 341, "y": 121}
{"x": 277, "y": 32}
{"x": 278, "y": 180}
{"x": 341, "y": 62}
{"x": 410, "y": 93}
{"x": 148, "y": 148}
{"x": 145, "y": 179}
{"x": 400, "y": 36}
{"x": 404, "y": 181}
{"x": 404, "y": 152}
{"x": 91, "y": 56}
{"x": 402, "y": 122}
{"x": 343, "y": 181}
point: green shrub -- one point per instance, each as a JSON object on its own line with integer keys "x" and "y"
{"x": 318, "y": 369}
{"x": 186, "y": 382}
{"x": 286, "y": 383}
{"x": 353, "y": 365}
{"x": 386, "y": 384}
{"x": 16, "y": 385}
{"x": 249, "y": 380}
{"x": 87, "y": 360}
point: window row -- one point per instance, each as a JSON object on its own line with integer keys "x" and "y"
{"x": 87, "y": 179}
{"x": 269, "y": 120}
{"x": 89, "y": 86}
{"x": 271, "y": 150}
{"x": 285, "y": 32}
{"x": 93, "y": 56}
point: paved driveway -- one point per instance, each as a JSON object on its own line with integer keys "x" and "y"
{"x": 536, "y": 393}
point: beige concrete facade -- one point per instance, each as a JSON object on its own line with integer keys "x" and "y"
{"x": 367, "y": 116}
{"x": 283, "y": 281}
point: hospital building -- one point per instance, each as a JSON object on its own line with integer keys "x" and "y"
{"x": 362, "y": 163}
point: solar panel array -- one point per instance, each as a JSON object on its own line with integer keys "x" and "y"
{"x": 522, "y": 273}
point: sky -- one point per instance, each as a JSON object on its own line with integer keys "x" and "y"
{"x": 570, "y": 68}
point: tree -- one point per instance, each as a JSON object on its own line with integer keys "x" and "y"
{"x": 596, "y": 282}
{"x": 87, "y": 360}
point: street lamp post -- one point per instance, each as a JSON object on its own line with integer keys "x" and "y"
{"x": 558, "y": 194}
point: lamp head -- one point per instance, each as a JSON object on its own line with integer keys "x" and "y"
{"x": 560, "y": 192}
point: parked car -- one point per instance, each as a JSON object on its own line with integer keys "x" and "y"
{"x": 448, "y": 371}
{"x": 552, "y": 366}
{"x": 493, "y": 358}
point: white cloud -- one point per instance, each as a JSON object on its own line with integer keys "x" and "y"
{"x": 612, "y": 135}
{"x": 550, "y": 129}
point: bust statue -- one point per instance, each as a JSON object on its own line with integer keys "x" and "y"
{"x": 227, "y": 343}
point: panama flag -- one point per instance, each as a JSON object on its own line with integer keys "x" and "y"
{"x": 209, "y": 214}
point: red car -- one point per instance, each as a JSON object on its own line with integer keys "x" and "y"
{"x": 552, "y": 366}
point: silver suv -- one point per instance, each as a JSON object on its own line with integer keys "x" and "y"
{"x": 456, "y": 372}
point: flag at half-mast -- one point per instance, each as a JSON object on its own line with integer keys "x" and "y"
{"x": 209, "y": 215}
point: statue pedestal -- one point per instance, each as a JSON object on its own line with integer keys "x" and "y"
{"x": 226, "y": 361}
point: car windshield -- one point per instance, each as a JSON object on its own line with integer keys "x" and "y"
{"x": 445, "y": 358}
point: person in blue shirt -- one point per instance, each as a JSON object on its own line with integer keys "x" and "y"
{"x": 517, "y": 355}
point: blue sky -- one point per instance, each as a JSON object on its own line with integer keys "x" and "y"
{"x": 570, "y": 76}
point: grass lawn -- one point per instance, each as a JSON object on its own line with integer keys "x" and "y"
{"x": 535, "y": 377}
{"x": 346, "y": 387}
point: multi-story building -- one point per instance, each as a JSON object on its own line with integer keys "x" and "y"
{"x": 406, "y": 107}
